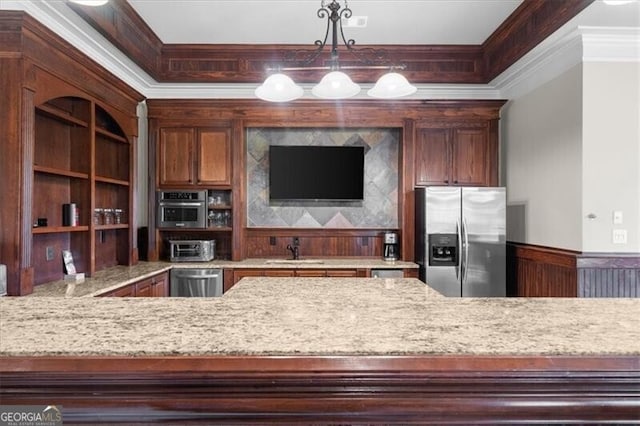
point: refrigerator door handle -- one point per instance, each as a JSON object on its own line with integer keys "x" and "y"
{"x": 459, "y": 262}
{"x": 465, "y": 245}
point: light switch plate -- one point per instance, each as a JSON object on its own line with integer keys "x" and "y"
{"x": 619, "y": 236}
{"x": 617, "y": 217}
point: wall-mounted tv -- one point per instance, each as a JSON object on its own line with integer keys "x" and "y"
{"x": 313, "y": 172}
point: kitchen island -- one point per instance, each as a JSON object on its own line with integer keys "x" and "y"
{"x": 323, "y": 350}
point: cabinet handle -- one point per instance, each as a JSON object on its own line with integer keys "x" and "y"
{"x": 455, "y": 181}
{"x": 446, "y": 181}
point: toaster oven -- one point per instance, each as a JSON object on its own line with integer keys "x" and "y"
{"x": 191, "y": 250}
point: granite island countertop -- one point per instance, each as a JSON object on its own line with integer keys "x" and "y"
{"x": 115, "y": 277}
{"x": 319, "y": 316}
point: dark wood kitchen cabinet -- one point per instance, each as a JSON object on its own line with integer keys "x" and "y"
{"x": 464, "y": 154}
{"x": 68, "y": 136}
{"x": 194, "y": 156}
{"x": 155, "y": 286}
{"x": 81, "y": 156}
{"x": 238, "y": 274}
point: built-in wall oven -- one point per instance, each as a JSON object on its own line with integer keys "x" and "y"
{"x": 196, "y": 282}
{"x": 182, "y": 209}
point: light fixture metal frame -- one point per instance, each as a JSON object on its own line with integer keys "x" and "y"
{"x": 334, "y": 13}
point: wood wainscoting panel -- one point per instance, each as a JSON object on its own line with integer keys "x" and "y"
{"x": 535, "y": 271}
{"x": 609, "y": 275}
{"x": 272, "y": 242}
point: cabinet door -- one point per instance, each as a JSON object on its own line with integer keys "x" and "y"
{"x": 347, "y": 273}
{"x": 126, "y": 291}
{"x": 279, "y": 272}
{"x": 470, "y": 154}
{"x": 311, "y": 273}
{"x": 432, "y": 163}
{"x": 144, "y": 288}
{"x": 160, "y": 286}
{"x": 239, "y": 274}
{"x": 175, "y": 156}
{"x": 214, "y": 157}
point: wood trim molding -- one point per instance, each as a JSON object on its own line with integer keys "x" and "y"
{"x": 527, "y": 26}
{"x": 302, "y": 389}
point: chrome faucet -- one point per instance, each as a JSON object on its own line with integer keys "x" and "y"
{"x": 295, "y": 252}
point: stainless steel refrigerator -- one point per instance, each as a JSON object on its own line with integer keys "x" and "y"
{"x": 460, "y": 240}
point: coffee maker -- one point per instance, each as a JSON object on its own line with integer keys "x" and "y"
{"x": 390, "y": 248}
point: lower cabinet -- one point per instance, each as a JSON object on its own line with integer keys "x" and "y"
{"x": 238, "y": 274}
{"x": 156, "y": 286}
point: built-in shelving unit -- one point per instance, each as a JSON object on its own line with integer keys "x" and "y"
{"x": 81, "y": 156}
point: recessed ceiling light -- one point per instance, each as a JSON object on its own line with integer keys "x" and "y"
{"x": 617, "y": 2}
{"x": 90, "y": 2}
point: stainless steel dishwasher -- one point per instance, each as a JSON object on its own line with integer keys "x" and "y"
{"x": 196, "y": 282}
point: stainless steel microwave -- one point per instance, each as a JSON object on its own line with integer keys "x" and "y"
{"x": 182, "y": 209}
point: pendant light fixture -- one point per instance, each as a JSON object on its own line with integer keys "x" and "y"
{"x": 336, "y": 84}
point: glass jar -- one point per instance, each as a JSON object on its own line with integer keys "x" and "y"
{"x": 108, "y": 216}
{"x": 97, "y": 216}
{"x": 117, "y": 216}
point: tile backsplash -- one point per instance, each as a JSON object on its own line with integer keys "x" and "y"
{"x": 378, "y": 209}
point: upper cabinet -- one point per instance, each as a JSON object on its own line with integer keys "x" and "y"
{"x": 461, "y": 154}
{"x": 194, "y": 156}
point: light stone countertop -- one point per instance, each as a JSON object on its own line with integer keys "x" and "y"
{"x": 118, "y": 276}
{"x": 319, "y": 316}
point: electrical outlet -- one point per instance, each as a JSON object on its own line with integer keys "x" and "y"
{"x": 619, "y": 236}
{"x": 49, "y": 253}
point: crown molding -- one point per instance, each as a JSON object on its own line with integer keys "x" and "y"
{"x": 559, "y": 52}
{"x": 564, "y": 50}
{"x": 59, "y": 18}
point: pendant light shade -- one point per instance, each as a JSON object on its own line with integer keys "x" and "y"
{"x": 391, "y": 85}
{"x": 90, "y": 2}
{"x": 279, "y": 88}
{"x": 335, "y": 85}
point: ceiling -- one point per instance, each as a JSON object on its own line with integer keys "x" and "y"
{"x": 296, "y": 22}
{"x": 402, "y": 22}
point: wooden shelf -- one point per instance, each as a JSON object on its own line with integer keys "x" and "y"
{"x": 112, "y": 181}
{"x": 219, "y": 228}
{"x": 109, "y": 227}
{"x": 110, "y": 135}
{"x": 58, "y": 229}
{"x": 61, "y": 115}
{"x": 60, "y": 172}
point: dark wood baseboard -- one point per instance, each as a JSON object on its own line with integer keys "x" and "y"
{"x": 536, "y": 271}
{"x": 321, "y": 390}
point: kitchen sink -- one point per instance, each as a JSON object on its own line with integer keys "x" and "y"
{"x": 294, "y": 261}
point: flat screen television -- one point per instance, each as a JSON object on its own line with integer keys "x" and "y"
{"x": 313, "y": 172}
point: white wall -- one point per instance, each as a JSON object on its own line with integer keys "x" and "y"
{"x": 571, "y": 153}
{"x": 611, "y": 154}
{"x": 542, "y": 155}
